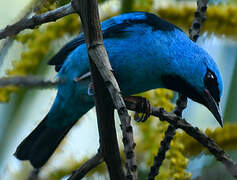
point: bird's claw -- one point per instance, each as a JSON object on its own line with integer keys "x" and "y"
{"x": 145, "y": 107}
{"x": 90, "y": 90}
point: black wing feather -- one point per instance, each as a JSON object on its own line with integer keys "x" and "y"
{"x": 59, "y": 58}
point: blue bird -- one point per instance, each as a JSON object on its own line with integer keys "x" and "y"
{"x": 146, "y": 52}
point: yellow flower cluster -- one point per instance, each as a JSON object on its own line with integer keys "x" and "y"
{"x": 38, "y": 45}
{"x": 221, "y": 20}
{"x": 175, "y": 164}
{"x": 142, "y": 5}
{"x": 46, "y": 6}
{"x": 224, "y": 137}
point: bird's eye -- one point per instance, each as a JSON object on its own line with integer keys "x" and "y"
{"x": 210, "y": 76}
{"x": 211, "y": 85}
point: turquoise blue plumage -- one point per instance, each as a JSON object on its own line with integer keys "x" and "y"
{"x": 145, "y": 52}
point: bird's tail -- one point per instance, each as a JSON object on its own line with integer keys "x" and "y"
{"x": 41, "y": 143}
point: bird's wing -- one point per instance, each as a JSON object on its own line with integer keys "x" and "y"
{"x": 86, "y": 76}
{"x": 60, "y": 57}
{"x": 116, "y": 27}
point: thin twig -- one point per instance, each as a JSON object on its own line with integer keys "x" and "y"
{"x": 27, "y": 81}
{"x": 213, "y": 148}
{"x": 4, "y": 47}
{"x": 87, "y": 166}
{"x": 32, "y": 22}
{"x": 178, "y": 122}
{"x": 34, "y": 174}
{"x": 199, "y": 18}
{"x": 159, "y": 158}
{"x": 181, "y": 104}
{"x": 194, "y": 32}
{"x": 6, "y": 44}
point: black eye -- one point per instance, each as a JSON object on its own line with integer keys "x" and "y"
{"x": 211, "y": 84}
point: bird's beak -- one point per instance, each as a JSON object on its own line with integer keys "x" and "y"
{"x": 213, "y": 106}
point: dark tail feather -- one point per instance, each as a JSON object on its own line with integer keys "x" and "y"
{"x": 40, "y": 144}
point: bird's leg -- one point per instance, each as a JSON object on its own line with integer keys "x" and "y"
{"x": 90, "y": 90}
{"x": 142, "y": 106}
{"x": 83, "y": 77}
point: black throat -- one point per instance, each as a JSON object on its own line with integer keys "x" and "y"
{"x": 176, "y": 83}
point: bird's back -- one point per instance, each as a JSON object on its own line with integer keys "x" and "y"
{"x": 116, "y": 27}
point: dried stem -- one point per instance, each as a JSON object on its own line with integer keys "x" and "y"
{"x": 159, "y": 158}
{"x": 199, "y": 18}
{"x": 27, "y": 81}
{"x": 88, "y": 12}
{"x": 34, "y": 174}
{"x": 125, "y": 119}
{"x": 181, "y": 104}
{"x": 32, "y": 22}
{"x": 194, "y": 32}
{"x": 87, "y": 166}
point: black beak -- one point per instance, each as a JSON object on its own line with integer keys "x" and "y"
{"x": 213, "y": 106}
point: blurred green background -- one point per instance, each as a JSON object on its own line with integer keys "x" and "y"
{"x": 22, "y": 109}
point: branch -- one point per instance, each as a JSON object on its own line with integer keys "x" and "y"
{"x": 98, "y": 56}
{"x": 27, "y": 81}
{"x": 87, "y": 166}
{"x": 199, "y": 18}
{"x": 165, "y": 146}
{"x": 4, "y": 47}
{"x": 194, "y": 32}
{"x": 181, "y": 104}
{"x": 176, "y": 121}
{"x": 34, "y": 174}
{"x": 32, "y": 22}
{"x": 118, "y": 102}
{"x": 88, "y": 12}
{"x": 106, "y": 126}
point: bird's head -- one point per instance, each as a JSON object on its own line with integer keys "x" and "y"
{"x": 200, "y": 80}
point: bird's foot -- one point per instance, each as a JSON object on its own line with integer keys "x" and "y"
{"x": 90, "y": 90}
{"x": 142, "y": 106}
